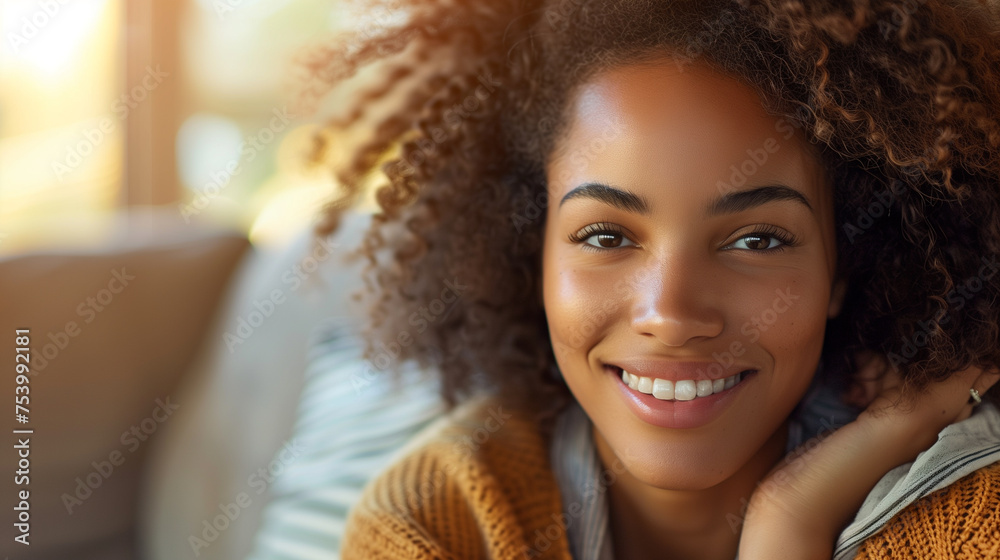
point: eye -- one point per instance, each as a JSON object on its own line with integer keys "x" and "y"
{"x": 607, "y": 240}
{"x": 602, "y": 236}
{"x": 764, "y": 240}
{"x": 757, "y": 242}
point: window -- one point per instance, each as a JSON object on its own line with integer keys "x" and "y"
{"x": 109, "y": 106}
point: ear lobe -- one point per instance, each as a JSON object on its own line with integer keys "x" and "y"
{"x": 837, "y": 294}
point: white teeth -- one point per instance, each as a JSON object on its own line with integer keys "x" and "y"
{"x": 682, "y": 390}
{"x": 685, "y": 390}
{"x": 645, "y": 385}
{"x": 718, "y": 385}
{"x": 663, "y": 389}
{"x": 704, "y": 387}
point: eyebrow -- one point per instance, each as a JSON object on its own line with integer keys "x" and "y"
{"x": 738, "y": 201}
{"x": 729, "y": 203}
{"x": 619, "y": 198}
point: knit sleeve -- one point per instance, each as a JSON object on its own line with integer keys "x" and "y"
{"x": 411, "y": 511}
{"x": 480, "y": 488}
{"x": 960, "y": 521}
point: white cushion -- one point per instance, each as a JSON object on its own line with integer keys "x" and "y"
{"x": 353, "y": 421}
{"x": 238, "y": 402}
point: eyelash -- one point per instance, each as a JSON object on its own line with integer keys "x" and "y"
{"x": 591, "y": 230}
{"x": 786, "y": 239}
{"x": 580, "y": 237}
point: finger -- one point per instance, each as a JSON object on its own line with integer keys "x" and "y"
{"x": 874, "y": 378}
{"x": 869, "y": 365}
{"x": 956, "y": 390}
{"x": 983, "y": 383}
{"x": 866, "y": 382}
{"x": 854, "y": 395}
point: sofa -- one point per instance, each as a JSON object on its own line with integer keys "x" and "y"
{"x": 171, "y": 371}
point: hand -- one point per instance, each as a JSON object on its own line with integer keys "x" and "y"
{"x": 879, "y": 390}
{"x": 803, "y": 502}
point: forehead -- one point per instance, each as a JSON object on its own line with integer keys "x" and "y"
{"x": 687, "y": 121}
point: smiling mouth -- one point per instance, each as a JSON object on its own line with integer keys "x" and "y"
{"x": 682, "y": 389}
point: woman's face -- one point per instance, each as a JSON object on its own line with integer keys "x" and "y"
{"x": 689, "y": 239}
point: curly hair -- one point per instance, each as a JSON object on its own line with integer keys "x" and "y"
{"x": 901, "y": 98}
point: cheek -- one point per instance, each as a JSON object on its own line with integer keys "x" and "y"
{"x": 789, "y": 324}
{"x": 580, "y": 306}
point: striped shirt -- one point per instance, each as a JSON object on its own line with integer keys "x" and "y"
{"x": 353, "y": 421}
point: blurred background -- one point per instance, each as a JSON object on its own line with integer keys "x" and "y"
{"x": 110, "y": 109}
{"x": 156, "y": 198}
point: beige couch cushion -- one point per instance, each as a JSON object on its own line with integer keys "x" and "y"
{"x": 110, "y": 334}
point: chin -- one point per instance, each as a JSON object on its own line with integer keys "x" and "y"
{"x": 675, "y": 465}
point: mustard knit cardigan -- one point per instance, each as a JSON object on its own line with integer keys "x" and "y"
{"x": 478, "y": 485}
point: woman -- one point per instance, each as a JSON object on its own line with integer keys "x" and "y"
{"x": 669, "y": 226}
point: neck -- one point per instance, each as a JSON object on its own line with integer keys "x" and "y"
{"x": 705, "y": 524}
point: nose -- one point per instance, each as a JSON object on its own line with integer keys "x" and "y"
{"x": 677, "y": 301}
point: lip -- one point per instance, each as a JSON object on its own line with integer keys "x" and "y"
{"x": 677, "y": 414}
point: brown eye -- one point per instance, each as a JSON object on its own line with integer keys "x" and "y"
{"x": 762, "y": 241}
{"x": 608, "y": 240}
{"x": 601, "y": 236}
{"x": 758, "y": 242}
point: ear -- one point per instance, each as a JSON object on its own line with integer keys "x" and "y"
{"x": 837, "y": 294}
